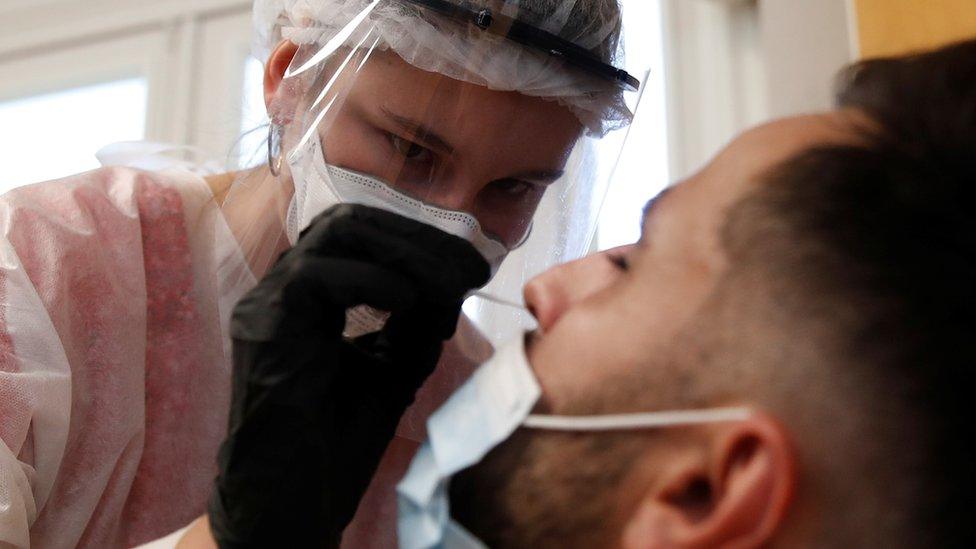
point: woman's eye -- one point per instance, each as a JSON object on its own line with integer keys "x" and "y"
{"x": 512, "y": 186}
{"x": 409, "y": 149}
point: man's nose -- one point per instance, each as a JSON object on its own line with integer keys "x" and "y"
{"x": 550, "y": 295}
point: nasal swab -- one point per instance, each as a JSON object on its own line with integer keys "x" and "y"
{"x": 500, "y": 301}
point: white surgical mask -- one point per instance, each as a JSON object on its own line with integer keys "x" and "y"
{"x": 319, "y": 186}
{"x": 481, "y": 415}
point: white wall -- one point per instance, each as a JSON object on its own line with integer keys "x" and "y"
{"x": 735, "y": 63}
{"x": 805, "y": 42}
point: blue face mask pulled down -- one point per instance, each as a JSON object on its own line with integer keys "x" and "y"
{"x": 484, "y": 412}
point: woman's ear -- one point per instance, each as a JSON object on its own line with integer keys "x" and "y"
{"x": 735, "y": 494}
{"x": 274, "y": 73}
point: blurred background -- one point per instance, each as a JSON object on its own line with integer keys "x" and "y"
{"x": 76, "y": 75}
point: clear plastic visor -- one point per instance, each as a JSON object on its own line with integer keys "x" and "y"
{"x": 447, "y": 136}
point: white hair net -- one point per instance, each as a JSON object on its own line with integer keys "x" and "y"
{"x": 437, "y": 45}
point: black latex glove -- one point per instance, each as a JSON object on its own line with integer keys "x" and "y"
{"x": 312, "y": 412}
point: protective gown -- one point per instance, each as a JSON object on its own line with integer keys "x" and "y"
{"x": 116, "y": 288}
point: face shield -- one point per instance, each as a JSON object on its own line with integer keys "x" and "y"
{"x": 496, "y": 121}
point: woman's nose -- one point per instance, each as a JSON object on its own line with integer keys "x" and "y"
{"x": 550, "y": 295}
{"x": 453, "y": 191}
{"x": 453, "y": 198}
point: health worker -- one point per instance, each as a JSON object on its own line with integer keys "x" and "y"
{"x": 178, "y": 349}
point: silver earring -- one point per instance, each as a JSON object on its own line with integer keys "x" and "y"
{"x": 274, "y": 149}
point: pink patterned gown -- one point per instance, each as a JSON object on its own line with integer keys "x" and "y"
{"x": 116, "y": 288}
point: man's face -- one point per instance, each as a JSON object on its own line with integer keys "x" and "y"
{"x": 612, "y": 316}
{"x": 606, "y": 315}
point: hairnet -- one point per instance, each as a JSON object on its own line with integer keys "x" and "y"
{"x": 436, "y": 45}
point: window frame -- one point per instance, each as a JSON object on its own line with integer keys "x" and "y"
{"x": 52, "y": 45}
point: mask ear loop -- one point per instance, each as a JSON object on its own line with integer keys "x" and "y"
{"x": 275, "y": 156}
{"x": 650, "y": 420}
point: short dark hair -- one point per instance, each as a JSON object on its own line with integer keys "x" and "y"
{"x": 888, "y": 224}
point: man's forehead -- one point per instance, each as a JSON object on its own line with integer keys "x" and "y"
{"x": 764, "y": 147}
{"x": 739, "y": 167}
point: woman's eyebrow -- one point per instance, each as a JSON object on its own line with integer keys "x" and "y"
{"x": 541, "y": 176}
{"x": 419, "y": 130}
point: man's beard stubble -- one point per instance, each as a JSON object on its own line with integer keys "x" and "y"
{"x": 560, "y": 489}
{"x": 546, "y": 489}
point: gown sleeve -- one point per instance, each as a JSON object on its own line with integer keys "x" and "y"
{"x": 72, "y": 340}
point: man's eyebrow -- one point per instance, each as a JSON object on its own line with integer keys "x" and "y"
{"x": 419, "y": 131}
{"x": 651, "y": 205}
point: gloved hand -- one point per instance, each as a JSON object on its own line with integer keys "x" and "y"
{"x": 312, "y": 412}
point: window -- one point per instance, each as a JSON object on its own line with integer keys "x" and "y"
{"x": 63, "y": 97}
{"x": 57, "y": 134}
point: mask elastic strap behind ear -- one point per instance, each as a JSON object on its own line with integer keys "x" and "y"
{"x": 651, "y": 420}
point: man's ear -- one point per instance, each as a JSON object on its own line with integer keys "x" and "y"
{"x": 274, "y": 74}
{"x": 735, "y": 493}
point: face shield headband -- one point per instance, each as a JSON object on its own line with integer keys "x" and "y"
{"x": 536, "y": 54}
{"x": 527, "y": 35}
{"x": 482, "y": 414}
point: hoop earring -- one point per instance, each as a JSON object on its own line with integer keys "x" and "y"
{"x": 274, "y": 149}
